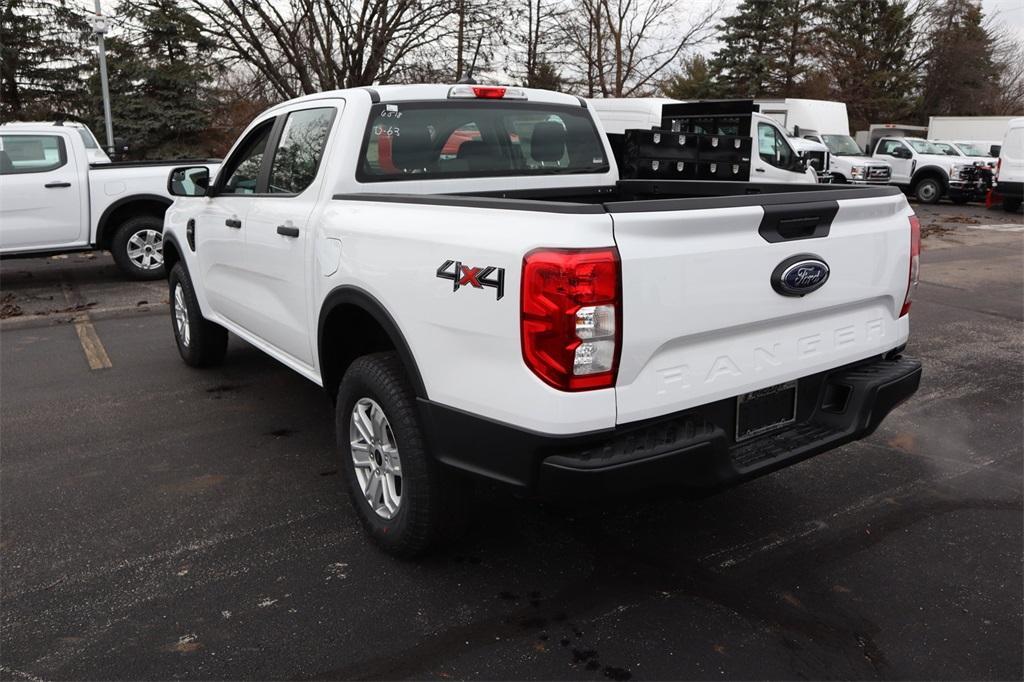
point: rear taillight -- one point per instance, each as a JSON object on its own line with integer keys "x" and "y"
{"x": 915, "y": 262}
{"x": 571, "y": 317}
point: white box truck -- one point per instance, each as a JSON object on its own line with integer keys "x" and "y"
{"x": 968, "y": 128}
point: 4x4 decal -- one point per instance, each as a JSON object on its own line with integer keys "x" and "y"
{"x": 478, "y": 278}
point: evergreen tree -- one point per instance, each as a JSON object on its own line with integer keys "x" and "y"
{"x": 960, "y": 77}
{"x": 42, "y": 58}
{"x": 767, "y": 47}
{"x": 161, "y": 77}
{"x": 693, "y": 82}
{"x": 867, "y": 50}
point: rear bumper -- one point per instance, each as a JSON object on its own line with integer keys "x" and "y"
{"x": 692, "y": 449}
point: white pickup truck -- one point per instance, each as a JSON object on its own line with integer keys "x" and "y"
{"x": 922, "y": 168}
{"x": 60, "y": 193}
{"x": 463, "y": 271}
{"x": 847, "y": 163}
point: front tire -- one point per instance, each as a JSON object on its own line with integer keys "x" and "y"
{"x": 201, "y": 343}
{"x": 137, "y": 247}
{"x": 928, "y": 191}
{"x": 405, "y": 500}
{"x": 1011, "y": 205}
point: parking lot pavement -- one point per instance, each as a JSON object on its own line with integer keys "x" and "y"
{"x": 163, "y": 522}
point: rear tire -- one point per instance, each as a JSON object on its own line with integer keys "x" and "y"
{"x": 201, "y": 343}
{"x": 137, "y": 247}
{"x": 928, "y": 191}
{"x": 405, "y": 500}
{"x": 1011, "y": 205}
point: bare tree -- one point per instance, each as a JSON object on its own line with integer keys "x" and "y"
{"x": 619, "y": 48}
{"x": 1008, "y": 54}
{"x": 306, "y": 46}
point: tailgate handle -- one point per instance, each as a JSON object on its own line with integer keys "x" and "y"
{"x": 791, "y": 222}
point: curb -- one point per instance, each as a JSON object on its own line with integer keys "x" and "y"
{"x": 54, "y": 319}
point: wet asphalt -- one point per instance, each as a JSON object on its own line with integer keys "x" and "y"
{"x": 160, "y": 522}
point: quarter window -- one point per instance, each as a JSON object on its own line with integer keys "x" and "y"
{"x": 243, "y": 169}
{"x": 31, "y": 154}
{"x": 298, "y": 154}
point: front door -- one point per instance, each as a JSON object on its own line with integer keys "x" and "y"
{"x": 899, "y": 157}
{"x": 220, "y": 226}
{"x": 42, "y": 196}
{"x": 279, "y": 241}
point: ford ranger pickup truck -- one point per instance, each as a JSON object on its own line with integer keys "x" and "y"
{"x": 465, "y": 273}
{"x": 60, "y": 193}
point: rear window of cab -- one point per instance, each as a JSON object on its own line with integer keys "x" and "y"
{"x": 467, "y": 139}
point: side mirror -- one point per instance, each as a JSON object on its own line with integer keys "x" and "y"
{"x": 189, "y": 181}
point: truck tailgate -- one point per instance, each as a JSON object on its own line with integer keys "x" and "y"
{"x": 701, "y": 320}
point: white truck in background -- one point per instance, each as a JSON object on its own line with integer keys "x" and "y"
{"x": 868, "y": 139}
{"x": 465, "y": 272}
{"x": 827, "y": 123}
{"x": 60, "y": 193}
{"x": 777, "y": 158}
{"x": 923, "y": 169}
{"x": 968, "y": 128}
{"x": 1009, "y": 181}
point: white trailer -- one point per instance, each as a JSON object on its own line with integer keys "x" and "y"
{"x": 968, "y": 128}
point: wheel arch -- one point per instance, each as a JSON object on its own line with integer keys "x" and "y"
{"x": 931, "y": 172}
{"x": 347, "y": 306}
{"x": 172, "y": 252}
{"x": 123, "y": 209}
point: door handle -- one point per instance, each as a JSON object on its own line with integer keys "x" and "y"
{"x": 51, "y": 185}
{"x": 233, "y": 222}
{"x": 759, "y": 170}
{"x": 288, "y": 231}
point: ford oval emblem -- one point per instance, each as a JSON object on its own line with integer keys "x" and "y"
{"x": 800, "y": 275}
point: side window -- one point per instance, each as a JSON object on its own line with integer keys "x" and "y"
{"x": 31, "y": 153}
{"x": 300, "y": 149}
{"x": 773, "y": 148}
{"x": 242, "y": 170}
{"x": 890, "y": 146}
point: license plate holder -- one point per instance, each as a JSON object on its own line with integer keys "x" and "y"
{"x": 766, "y": 410}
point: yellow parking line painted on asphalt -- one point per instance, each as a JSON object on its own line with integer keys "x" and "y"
{"x": 95, "y": 353}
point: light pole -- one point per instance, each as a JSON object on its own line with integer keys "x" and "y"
{"x": 99, "y": 27}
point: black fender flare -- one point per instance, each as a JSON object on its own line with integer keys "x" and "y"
{"x": 173, "y": 241}
{"x": 348, "y": 294}
{"x": 101, "y": 226}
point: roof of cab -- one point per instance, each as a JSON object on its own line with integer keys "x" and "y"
{"x": 427, "y": 91}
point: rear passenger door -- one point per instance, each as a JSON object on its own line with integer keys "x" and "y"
{"x": 279, "y": 245}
